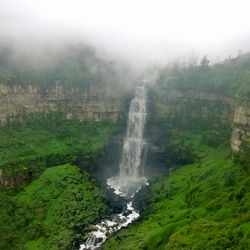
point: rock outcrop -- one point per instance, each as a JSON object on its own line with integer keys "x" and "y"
{"x": 15, "y": 180}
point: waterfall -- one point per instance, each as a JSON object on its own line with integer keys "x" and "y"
{"x": 133, "y": 144}
{"x": 130, "y": 179}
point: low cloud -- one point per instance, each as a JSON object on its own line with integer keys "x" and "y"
{"x": 139, "y": 31}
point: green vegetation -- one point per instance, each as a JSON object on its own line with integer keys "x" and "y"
{"x": 230, "y": 78}
{"x": 43, "y": 140}
{"x": 46, "y": 213}
{"x": 185, "y": 147}
{"x": 204, "y": 205}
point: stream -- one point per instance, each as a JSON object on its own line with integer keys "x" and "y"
{"x": 107, "y": 227}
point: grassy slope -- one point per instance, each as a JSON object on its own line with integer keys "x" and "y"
{"x": 45, "y": 213}
{"x": 204, "y": 205}
{"x": 49, "y": 140}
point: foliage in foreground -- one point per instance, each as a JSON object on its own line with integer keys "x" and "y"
{"x": 45, "y": 214}
{"x": 204, "y": 205}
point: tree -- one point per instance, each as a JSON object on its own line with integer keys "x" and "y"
{"x": 204, "y": 61}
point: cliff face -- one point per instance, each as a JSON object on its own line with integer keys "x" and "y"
{"x": 15, "y": 179}
{"x": 241, "y": 131}
{"x": 87, "y": 105}
{"x": 172, "y": 112}
{"x": 194, "y": 110}
{"x": 178, "y": 108}
{"x": 201, "y": 110}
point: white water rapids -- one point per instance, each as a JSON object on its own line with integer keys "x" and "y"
{"x": 130, "y": 179}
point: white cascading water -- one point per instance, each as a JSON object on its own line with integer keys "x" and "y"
{"x": 130, "y": 179}
{"x": 133, "y": 144}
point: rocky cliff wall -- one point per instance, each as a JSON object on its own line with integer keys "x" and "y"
{"x": 194, "y": 110}
{"x": 201, "y": 110}
{"x": 89, "y": 104}
{"x": 178, "y": 108}
{"x": 241, "y": 132}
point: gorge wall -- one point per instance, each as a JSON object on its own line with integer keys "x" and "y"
{"x": 240, "y": 140}
{"x": 87, "y": 105}
{"x": 202, "y": 110}
{"x": 177, "y": 108}
{"x": 194, "y": 109}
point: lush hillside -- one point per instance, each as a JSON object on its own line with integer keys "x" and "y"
{"x": 42, "y": 140}
{"x": 43, "y": 203}
{"x": 204, "y": 205}
{"x": 47, "y": 213}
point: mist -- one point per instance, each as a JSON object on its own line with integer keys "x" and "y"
{"x": 141, "y": 32}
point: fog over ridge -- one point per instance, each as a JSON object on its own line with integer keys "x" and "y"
{"x": 139, "y": 31}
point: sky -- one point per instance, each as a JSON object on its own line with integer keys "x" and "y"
{"x": 139, "y": 30}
